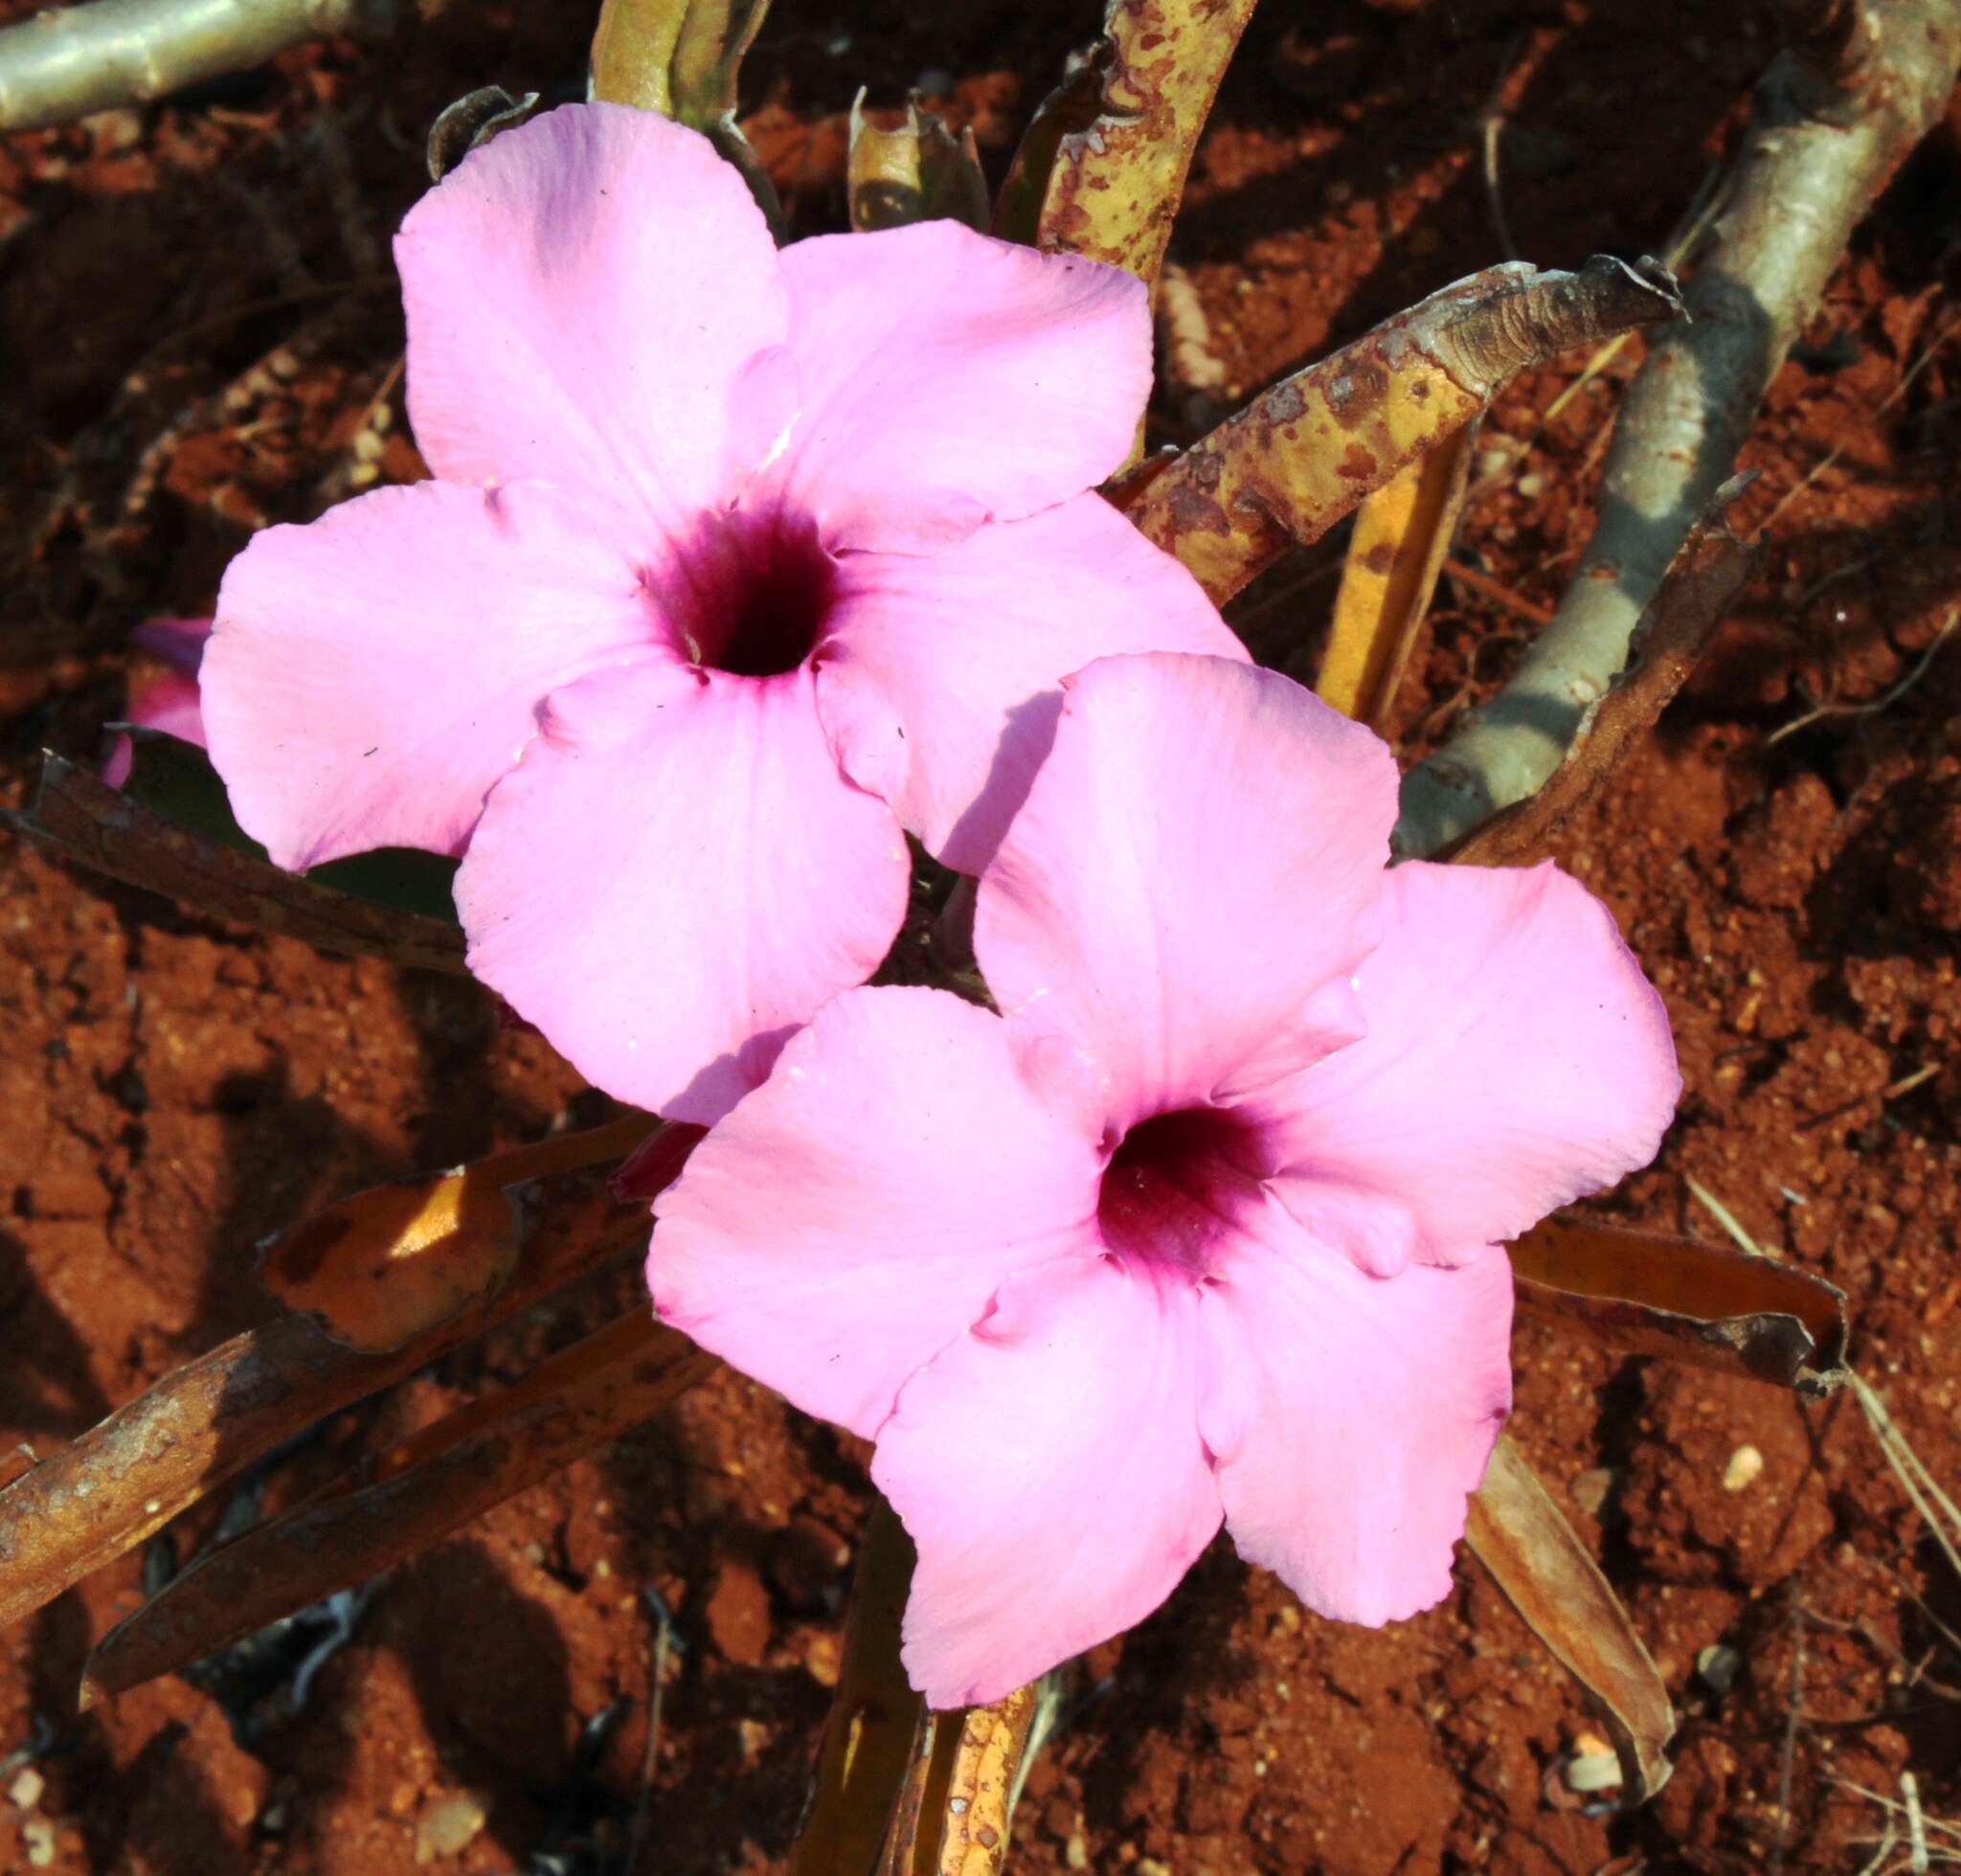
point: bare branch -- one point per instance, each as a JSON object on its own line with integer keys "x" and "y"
{"x": 1823, "y": 143}
{"x": 67, "y": 61}
{"x": 203, "y": 1423}
{"x": 438, "y": 1480}
{"x": 82, "y": 820}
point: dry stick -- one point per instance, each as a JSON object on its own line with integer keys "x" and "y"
{"x": 569, "y": 1406}
{"x": 67, "y": 61}
{"x": 1304, "y": 453}
{"x": 203, "y": 1423}
{"x": 1820, "y": 147}
{"x": 1883, "y": 702}
{"x": 82, "y": 820}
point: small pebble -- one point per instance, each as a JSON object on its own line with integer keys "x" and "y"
{"x": 1718, "y": 1666}
{"x": 447, "y": 1824}
{"x": 27, "y": 1789}
{"x": 1592, "y": 1489}
{"x": 1593, "y": 1772}
{"x": 1075, "y": 1853}
{"x": 1745, "y": 1465}
{"x": 38, "y": 1835}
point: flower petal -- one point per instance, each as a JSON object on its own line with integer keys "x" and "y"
{"x": 675, "y": 877}
{"x": 372, "y": 674}
{"x": 1515, "y": 1058}
{"x": 1350, "y": 1415}
{"x": 1048, "y": 1467}
{"x": 1192, "y": 880}
{"x": 948, "y": 377}
{"x": 940, "y": 685}
{"x": 593, "y": 299}
{"x": 859, "y": 1211}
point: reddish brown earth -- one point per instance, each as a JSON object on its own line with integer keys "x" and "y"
{"x": 195, "y": 308}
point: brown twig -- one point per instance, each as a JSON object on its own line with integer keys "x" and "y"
{"x": 203, "y": 1423}
{"x": 567, "y": 1406}
{"x": 1499, "y": 593}
{"x": 1824, "y": 140}
{"x": 80, "y": 819}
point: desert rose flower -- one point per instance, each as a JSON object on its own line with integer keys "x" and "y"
{"x": 736, "y": 564}
{"x": 169, "y": 700}
{"x": 1205, "y": 1224}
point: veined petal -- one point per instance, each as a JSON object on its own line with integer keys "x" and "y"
{"x": 947, "y": 378}
{"x": 860, "y": 1210}
{"x": 1351, "y": 1415}
{"x": 1192, "y": 880}
{"x": 374, "y": 673}
{"x": 675, "y": 877}
{"x": 1048, "y": 1467}
{"x": 593, "y": 299}
{"x": 1516, "y": 1059}
{"x": 940, "y": 684}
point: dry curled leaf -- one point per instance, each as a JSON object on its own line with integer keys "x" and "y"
{"x": 1102, "y": 168}
{"x": 1518, "y": 1534}
{"x": 1645, "y": 1292}
{"x": 914, "y": 170}
{"x": 394, "y": 1262}
{"x": 1304, "y": 453}
{"x": 953, "y": 1812}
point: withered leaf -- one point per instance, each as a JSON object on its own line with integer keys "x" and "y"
{"x": 1646, "y": 1293}
{"x": 1517, "y": 1533}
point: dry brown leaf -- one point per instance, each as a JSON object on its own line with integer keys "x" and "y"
{"x": 1518, "y": 1534}
{"x": 953, "y": 1815}
{"x": 1102, "y": 168}
{"x": 914, "y": 170}
{"x": 1645, "y": 1292}
{"x": 394, "y": 1262}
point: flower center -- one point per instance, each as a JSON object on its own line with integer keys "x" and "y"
{"x": 1175, "y": 1186}
{"x": 760, "y": 595}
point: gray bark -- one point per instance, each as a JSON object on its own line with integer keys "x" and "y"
{"x": 65, "y": 62}
{"x": 1822, "y": 145}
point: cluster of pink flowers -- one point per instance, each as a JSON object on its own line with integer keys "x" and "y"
{"x": 740, "y": 566}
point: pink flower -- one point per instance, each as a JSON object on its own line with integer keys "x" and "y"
{"x": 1204, "y": 1226}
{"x": 168, "y": 700}
{"x": 738, "y": 562}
